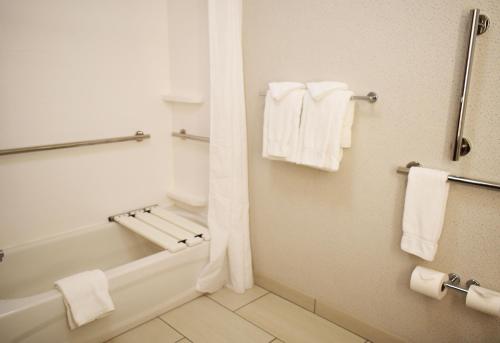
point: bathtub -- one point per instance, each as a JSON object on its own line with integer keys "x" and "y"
{"x": 144, "y": 281}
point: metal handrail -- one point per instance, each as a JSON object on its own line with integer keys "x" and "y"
{"x": 139, "y": 136}
{"x": 479, "y": 25}
{"x": 184, "y": 135}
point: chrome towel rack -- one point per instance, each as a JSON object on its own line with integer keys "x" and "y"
{"x": 138, "y": 137}
{"x": 370, "y": 97}
{"x": 184, "y": 135}
{"x": 460, "y": 179}
{"x": 479, "y": 25}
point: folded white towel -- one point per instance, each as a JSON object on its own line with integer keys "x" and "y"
{"x": 280, "y": 90}
{"x": 326, "y": 117}
{"x": 282, "y": 119}
{"x": 86, "y": 297}
{"x": 319, "y": 90}
{"x": 425, "y": 206}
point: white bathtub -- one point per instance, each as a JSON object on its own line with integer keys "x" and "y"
{"x": 145, "y": 281}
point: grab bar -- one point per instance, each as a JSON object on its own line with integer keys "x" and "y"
{"x": 479, "y": 25}
{"x": 139, "y": 137}
{"x": 370, "y": 97}
{"x": 459, "y": 179}
{"x": 184, "y": 135}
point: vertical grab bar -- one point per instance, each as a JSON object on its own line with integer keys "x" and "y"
{"x": 479, "y": 25}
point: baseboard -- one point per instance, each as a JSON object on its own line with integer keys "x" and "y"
{"x": 355, "y": 325}
{"x": 286, "y": 292}
{"x": 326, "y": 311}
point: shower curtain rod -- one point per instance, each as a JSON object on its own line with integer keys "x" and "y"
{"x": 370, "y": 97}
{"x": 459, "y": 179}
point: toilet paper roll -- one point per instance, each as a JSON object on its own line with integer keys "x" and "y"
{"x": 429, "y": 282}
{"x": 484, "y": 300}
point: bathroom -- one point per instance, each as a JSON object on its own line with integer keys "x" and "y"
{"x": 256, "y": 249}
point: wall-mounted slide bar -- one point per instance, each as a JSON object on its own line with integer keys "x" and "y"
{"x": 479, "y": 25}
{"x": 139, "y": 136}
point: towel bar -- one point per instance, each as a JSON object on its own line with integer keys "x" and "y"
{"x": 465, "y": 180}
{"x": 370, "y": 97}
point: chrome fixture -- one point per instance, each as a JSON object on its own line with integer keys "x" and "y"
{"x": 454, "y": 283}
{"x": 486, "y": 184}
{"x": 370, "y": 97}
{"x": 138, "y": 137}
{"x": 479, "y": 25}
{"x": 184, "y": 135}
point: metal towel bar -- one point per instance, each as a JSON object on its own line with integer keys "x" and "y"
{"x": 370, "y": 97}
{"x": 465, "y": 180}
{"x": 139, "y": 136}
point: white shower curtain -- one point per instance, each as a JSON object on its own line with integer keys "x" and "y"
{"x": 230, "y": 257}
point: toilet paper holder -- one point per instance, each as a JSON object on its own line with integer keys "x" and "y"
{"x": 454, "y": 283}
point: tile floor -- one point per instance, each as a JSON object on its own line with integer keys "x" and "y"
{"x": 256, "y": 316}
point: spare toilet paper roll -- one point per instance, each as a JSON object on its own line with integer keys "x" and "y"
{"x": 429, "y": 282}
{"x": 484, "y": 300}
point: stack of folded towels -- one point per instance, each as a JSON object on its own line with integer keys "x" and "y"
{"x": 308, "y": 126}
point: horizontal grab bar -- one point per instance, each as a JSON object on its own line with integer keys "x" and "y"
{"x": 184, "y": 135}
{"x": 139, "y": 136}
{"x": 460, "y": 179}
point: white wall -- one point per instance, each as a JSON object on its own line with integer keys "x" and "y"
{"x": 77, "y": 70}
{"x": 341, "y": 231}
{"x": 189, "y": 71}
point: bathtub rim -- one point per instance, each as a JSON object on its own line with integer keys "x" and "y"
{"x": 16, "y": 305}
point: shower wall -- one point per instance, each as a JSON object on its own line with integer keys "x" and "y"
{"x": 341, "y": 231}
{"x": 78, "y": 70}
{"x": 189, "y": 78}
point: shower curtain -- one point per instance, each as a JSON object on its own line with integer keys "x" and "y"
{"x": 230, "y": 257}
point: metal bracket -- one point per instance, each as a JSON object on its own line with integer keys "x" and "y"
{"x": 413, "y": 164}
{"x": 483, "y": 25}
{"x": 472, "y": 282}
{"x": 465, "y": 147}
{"x": 454, "y": 279}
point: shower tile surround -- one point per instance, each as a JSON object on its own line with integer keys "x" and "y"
{"x": 256, "y": 316}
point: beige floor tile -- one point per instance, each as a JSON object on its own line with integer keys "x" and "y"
{"x": 204, "y": 321}
{"x": 184, "y": 340}
{"x": 154, "y": 331}
{"x": 276, "y": 340}
{"x": 233, "y": 301}
{"x": 291, "y": 323}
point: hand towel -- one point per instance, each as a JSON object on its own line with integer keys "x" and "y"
{"x": 281, "y": 119}
{"x": 86, "y": 297}
{"x": 424, "y": 211}
{"x": 327, "y": 115}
